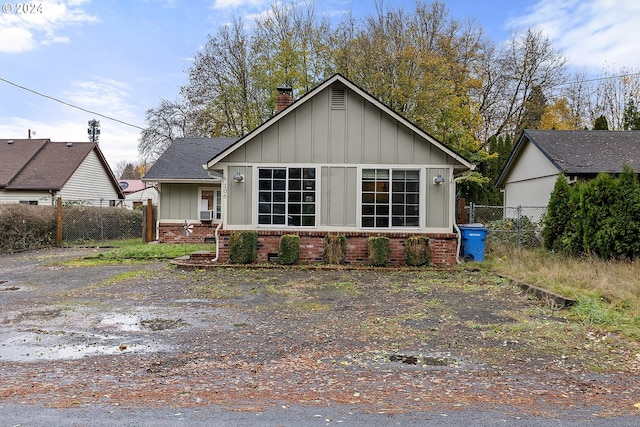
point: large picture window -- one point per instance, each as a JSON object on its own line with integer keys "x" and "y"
{"x": 287, "y": 197}
{"x": 390, "y": 198}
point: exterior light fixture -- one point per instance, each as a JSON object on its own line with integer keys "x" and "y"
{"x": 437, "y": 180}
{"x": 238, "y": 177}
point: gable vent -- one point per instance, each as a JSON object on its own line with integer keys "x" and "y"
{"x": 338, "y": 98}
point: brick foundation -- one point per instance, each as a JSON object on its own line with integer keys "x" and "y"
{"x": 442, "y": 246}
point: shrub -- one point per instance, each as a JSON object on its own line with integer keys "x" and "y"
{"x": 379, "y": 250}
{"x": 24, "y": 227}
{"x": 289, "y": 249}
{"x": 417, "y": 250}
{"x": 243, "y": 247}
{"x": 335, "y": 249}
{"x": 558, "y": 214}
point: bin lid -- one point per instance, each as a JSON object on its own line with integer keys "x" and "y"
{"x": 472, "y": 225}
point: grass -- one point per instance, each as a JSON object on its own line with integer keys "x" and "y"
{"x": 607, "y": 292}
{"x": 132, "y": 250}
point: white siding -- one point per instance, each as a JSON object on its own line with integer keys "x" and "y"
{"x": 42, "y": 197}
{"x": 89, "y": 182}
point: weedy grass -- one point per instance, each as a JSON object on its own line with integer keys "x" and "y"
{"x": 607, "y": 292}
{"x": 128, "y": 251}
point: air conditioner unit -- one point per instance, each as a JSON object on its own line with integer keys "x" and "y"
{"x": 206, "y": 215}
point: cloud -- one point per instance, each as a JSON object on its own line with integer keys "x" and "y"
{"x": 590, "y": 33}
{"x": 235, "y": 4}
{"x": 21, "y": 32}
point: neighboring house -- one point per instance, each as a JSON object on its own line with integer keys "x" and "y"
{"x": 137, "y": 193}
{"x": 539, "y": 156}
{"x": 38, "y": 171}
{"x": 336, "y": 161}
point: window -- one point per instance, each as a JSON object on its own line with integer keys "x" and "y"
{"x": 287, "y": 196}
{"x": 28, "y": 202}
{"x": 390, "y": 198}
{"x": 210, "y": 204}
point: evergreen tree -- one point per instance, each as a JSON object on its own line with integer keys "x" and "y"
{"x": 601, "y": 123}
{"x": 558, "y": 214}
{"x": 631, "y": 116}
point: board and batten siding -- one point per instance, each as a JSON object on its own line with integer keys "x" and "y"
{"x": 340, "y": 138}
{"x": 181, "y": 201}
{"x": 89, "y": 181}
{"x": 359, "y": 133}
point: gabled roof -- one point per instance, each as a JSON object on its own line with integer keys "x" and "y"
{"x": 183, "y": 159}
{"x": 15, "y": 154}
{"x": 43, "y": 165}
{"x": 309, "y": 95}
{"x": 581, "y": 152}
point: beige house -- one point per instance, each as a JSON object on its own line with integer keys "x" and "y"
{"x": 335, "y": 161}
{"x": 38, "y": 171}
{"x": 539, "y": 156}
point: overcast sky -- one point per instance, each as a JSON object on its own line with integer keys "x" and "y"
{"x": 119, "y": 58}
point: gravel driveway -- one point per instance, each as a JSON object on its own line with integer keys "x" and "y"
{"x": 149, "y": 344}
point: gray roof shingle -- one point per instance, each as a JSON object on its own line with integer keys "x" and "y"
{"x": 588, "y": 151}
{"x": 183, "y": 159}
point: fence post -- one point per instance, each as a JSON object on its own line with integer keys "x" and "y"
{"x": 471, "y": 212}
{"x": 149, "y": 218}
{"x": 59, "y": 222}
{"x": 518, "y": 224}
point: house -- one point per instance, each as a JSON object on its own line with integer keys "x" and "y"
{"x": 539, "y": 156}
{"x": 186, "y": 192}
{"x": 336, "y": 161}
{"x": 38, "y": 171}
{"x": 137, "y": 193}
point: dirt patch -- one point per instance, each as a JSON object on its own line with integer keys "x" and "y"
{"x": 388, "y": 341}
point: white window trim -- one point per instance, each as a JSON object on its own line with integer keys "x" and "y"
{"x": 217, "y": 200}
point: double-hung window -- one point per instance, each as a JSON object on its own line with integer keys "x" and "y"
{"x": 287, "y": 196}
{"x": 390, "y": 198}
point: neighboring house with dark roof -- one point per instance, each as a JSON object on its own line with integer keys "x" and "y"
{"x": 334, "y": 162}
{"x": 137, "y": 193}
{"x": 37, "y": 171}
{"x": 539, "y": 156}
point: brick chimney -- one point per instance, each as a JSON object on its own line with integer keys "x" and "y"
{"x": 284, "y": 98}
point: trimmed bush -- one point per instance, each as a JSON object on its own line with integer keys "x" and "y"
{"x": 335, "y": 249}
{"x": 289, "y": 249}
{"x": 417, "y": 251}
{"x": 379, "y": 250}
{"x": 243, "y": 247}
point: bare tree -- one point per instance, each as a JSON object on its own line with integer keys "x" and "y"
{"x": 168, "y": 121}
{"x": 508, "y": 77}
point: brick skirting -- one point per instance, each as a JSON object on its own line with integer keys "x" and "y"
{"x": 442, "y": 246}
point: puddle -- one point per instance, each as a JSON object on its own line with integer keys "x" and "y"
{"x": 125, "y": 322}
{"x": 383, "y": 359}
{"x": 59, "y": 345}
{"x": 134, "y": 322}
{"x": 421, "y": 360}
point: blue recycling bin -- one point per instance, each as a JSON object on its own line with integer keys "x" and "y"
{"x": 473, "y": 237}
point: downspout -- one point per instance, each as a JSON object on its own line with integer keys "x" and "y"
{"x": 215, "y": 259}
{"x": 217, "y": 232}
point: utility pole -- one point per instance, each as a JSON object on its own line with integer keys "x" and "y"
{"x": 94, "y": 130}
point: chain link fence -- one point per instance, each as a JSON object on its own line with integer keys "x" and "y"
{"x": 95, "y": 220}
{"x": 519, "y": 225}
